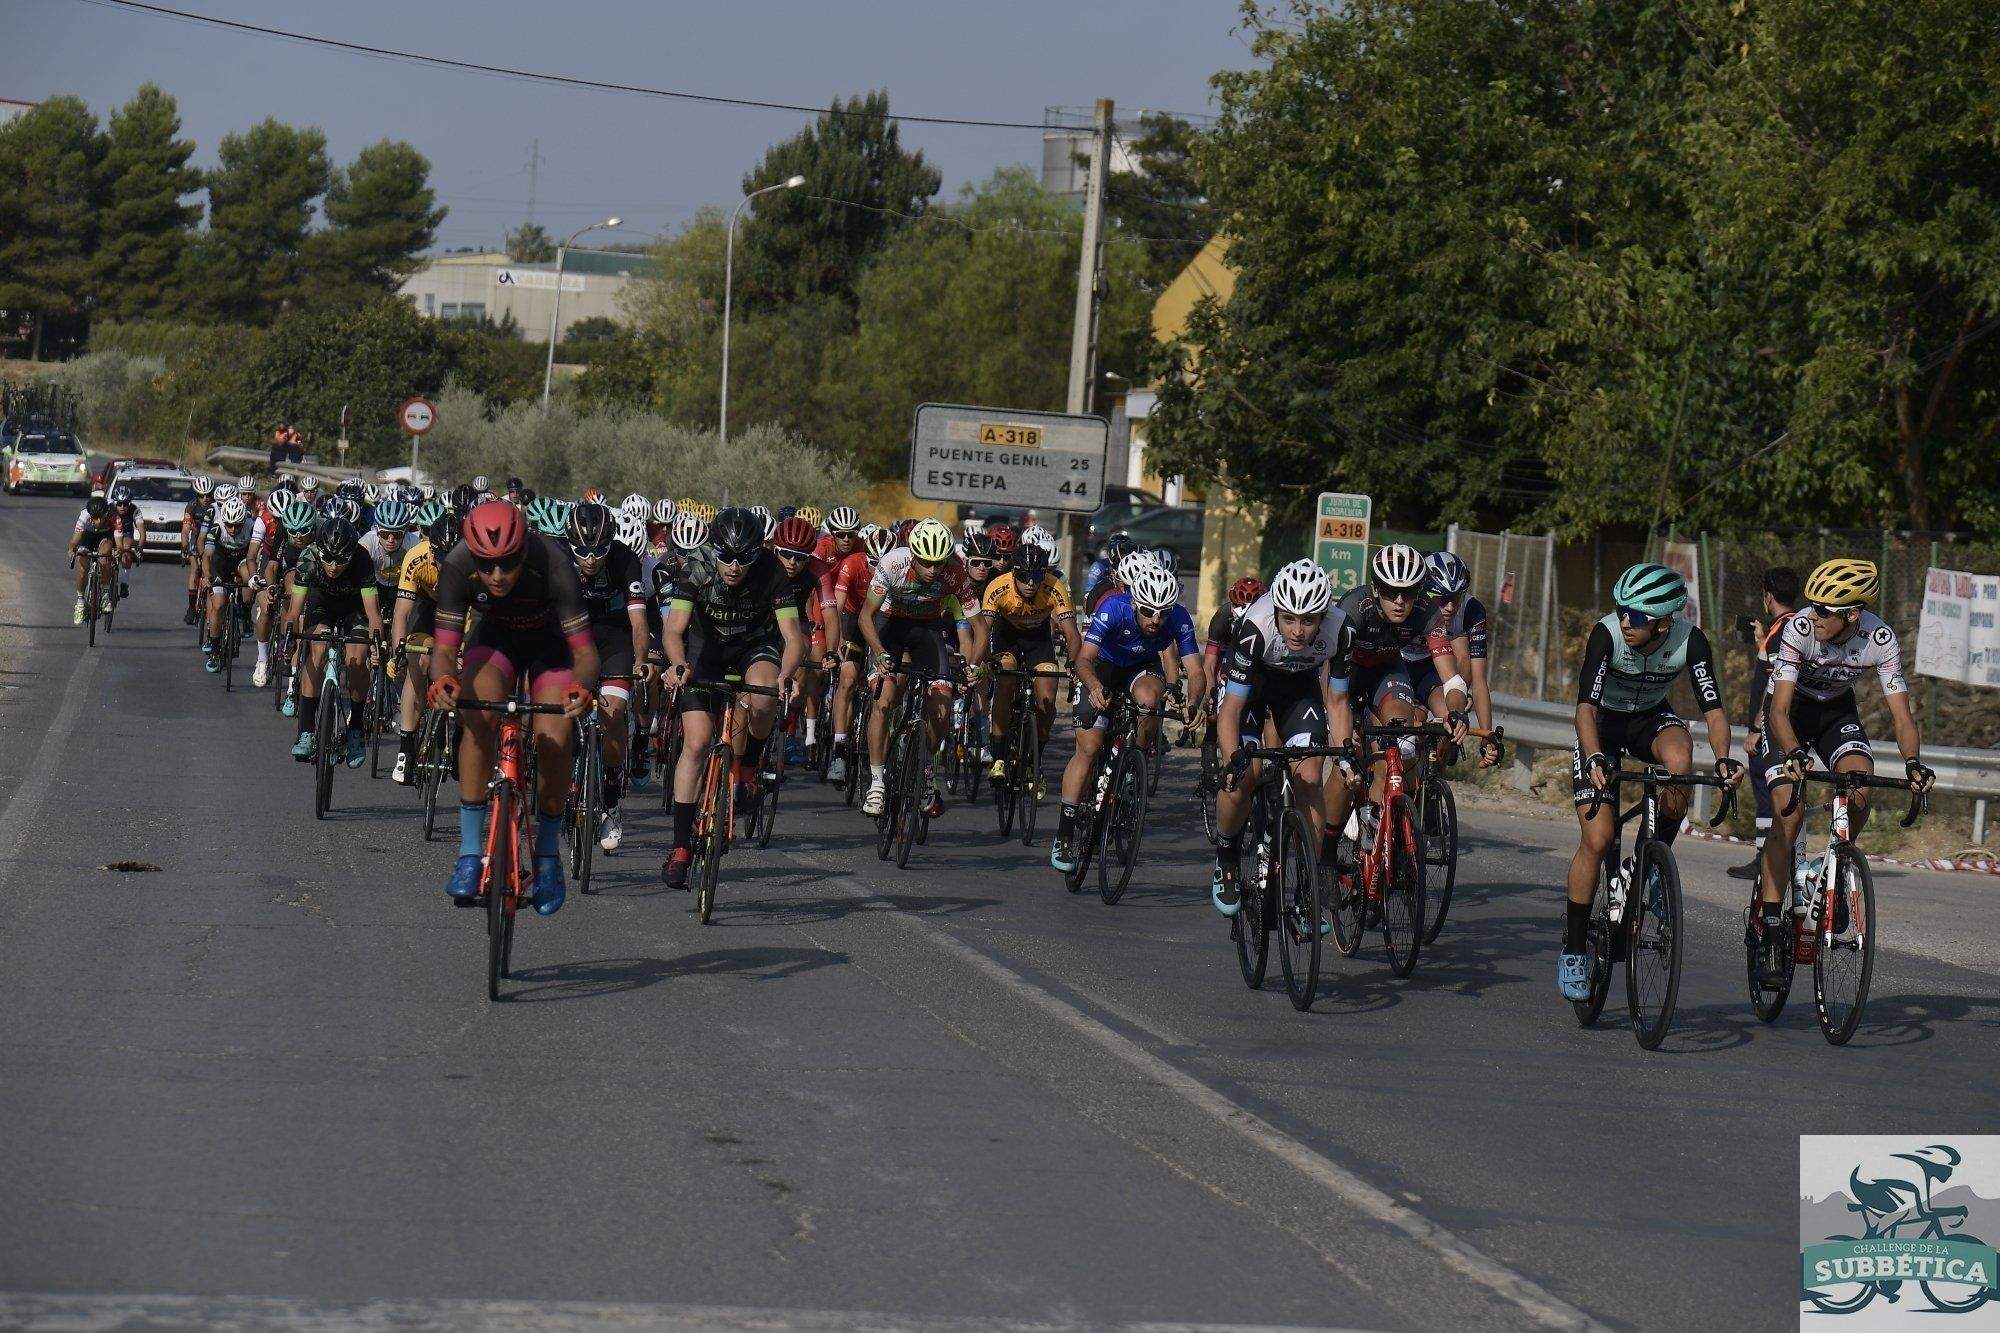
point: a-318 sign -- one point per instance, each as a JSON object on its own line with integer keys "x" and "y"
{"x": 1008, "y": 458}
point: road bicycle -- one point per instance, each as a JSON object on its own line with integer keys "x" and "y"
{"x": 715, "y": 799}
{"x": 1383, "y": 884}
{"x": 962, "y": 743}
{"x": 285, "y": 686}
{"x": 1111, "y": 819}
{"x": 510, "y": 832}
{"x": 1017, "y": 792}
{"x": 1277, "y": 873}
{"x": 94, "y": 608}
{"x": 1636, "y": 916}
{"x": 330, "y": 727}
{"x": 585, "y": 802}
{"x": 436, "y": 760}
{"x": 905, "y": 817}
{"x": 856, "y": 750}
{"x": 378, "y": 713}
{"x": 1836, "y": 934}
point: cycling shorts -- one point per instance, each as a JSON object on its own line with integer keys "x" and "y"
{"x": 540, "y": 653}
{"x": 614, "y": 656}
{"x": 331, "y": 611}
{"x": 1117, "y": 680}
{"x": 1032, "y": 647}
{"x": 1293, "y": 701}
{"x": 713, "y": 657}
{"x": 1621, "y": 734}
{"x": 921, "y": 643}
{"x": 1373, "y": 687}
{"x": 1830, "y": 728}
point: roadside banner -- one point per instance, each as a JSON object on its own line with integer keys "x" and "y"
{"x": 1957, "y": 635}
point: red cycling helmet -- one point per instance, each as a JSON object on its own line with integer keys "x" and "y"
{"x": 495, "y": 530}
{"x": 1005, "y": 540}
{"x": 1245, "y": 591}
{"x": 795, "y": 534}
{"x": 904, "y": 527}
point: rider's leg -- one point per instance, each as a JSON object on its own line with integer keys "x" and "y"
{"x": 1596, "y": 836}
{"x": 1673, "y": 749}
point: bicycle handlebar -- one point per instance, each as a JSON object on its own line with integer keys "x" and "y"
{"x": 1250, "y": 751}
{"x": 732, "y": 686}
{"x": 1851, "y": 779}
{"x": 1655, "y": 777}
{"x": 514, "y": 706}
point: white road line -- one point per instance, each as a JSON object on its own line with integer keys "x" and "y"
{"x": 1455, "y": 1253}
{"x": 26, "y": 804}
{"x": 77, "y": 1314}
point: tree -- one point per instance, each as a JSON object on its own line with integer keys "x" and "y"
{"x": 144, "y": 226}
{"x": 530, "y": 243}
{"x": 861, "y": 188}
{"x": 49, "y": 159}
{"x": 248, "y": 265}
{"x": 381, "y": 215}
{"x": 1161, "y": 201}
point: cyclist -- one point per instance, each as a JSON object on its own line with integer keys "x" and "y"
{"x": 616, "y": 595}
{"x": 412, "y": 627}
{"x": 1139, "y": 642}
{"x": 1811, "y": 710}
{"x": 1024, "y": 611}
{"x": 547, "y": 516}
{"x": 916, "y": 592}
{"x": 334, "y": 589}
{"x": 735, "y": 605}
{"x": 298, "y": 519}
{"x": 194, "y": 528}
{"x": 230, "y": 541}
{"x": 1100, "y": 579}
{"x": 1631, "y": 659}
{"x": 95, "y": 534}
{"x": 811, "y": 583}
{"x": 851, "y": 577}
{"x": 1447, "y": 583}
{"x": 125, "y": 523}
{"x": 532, "y": 624}
{"x": 1289, "y": 665}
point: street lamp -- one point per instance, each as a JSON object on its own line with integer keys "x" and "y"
{"x": 555, "y": 315}
{"x": 728, "y": 278}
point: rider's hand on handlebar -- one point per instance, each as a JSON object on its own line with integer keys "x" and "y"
{"x": 1100, "y": 698}
{"x": 1456, "y": 724}
{"x": 1797, "y": 761}
{"x": 576, "y": 701}
{"x": 1729, "y": 771}
{"x": 443, "y": 693}
{"x": 1490, "y": 751}
{"x": 1922, "y": 778}
{"x": 1597, "y": 768}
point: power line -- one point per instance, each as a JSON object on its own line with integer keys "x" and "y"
{"x": 570, "y": 81}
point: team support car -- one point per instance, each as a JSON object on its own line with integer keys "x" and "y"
{"x": 109, "y": 472}
{"x": 162, "y": 495}
{"x": 48, "y": 461}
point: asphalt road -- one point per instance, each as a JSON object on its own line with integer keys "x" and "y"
{"x": 264, "y": 1083}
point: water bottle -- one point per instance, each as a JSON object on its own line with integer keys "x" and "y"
{"x": 1804, "y": 875}
{"x": 1371, "y": 821}
{"x": 1620, "y": 883}
{"x": 1263, "y": 861}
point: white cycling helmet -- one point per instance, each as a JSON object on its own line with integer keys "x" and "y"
{"x": 308, "y": 484}
{"x": 225, "y": 490}
{"x": 767, "y": 518}
{"x": 479, "y": 483}
{"x": 1301, "y": 588}
{"x": 1128, "y": 568}
{"x": 232, "y": 512}
{"x": 843, "y": 519}
{"x": 690, "y": 530}
{"x": 1398, "y": 566}
{"x": 664, "y": 511}
{"x": 632, "y": 531}
{"x": 428, "y": 492}
{"x": 1037, "y": 535}
{"x": 1152, "y": 588}
{"x": 369, "y": 493}
{"x": 876, "y": 541}
{"x": 635, "y": 504}
{"x": 203, "y": 485}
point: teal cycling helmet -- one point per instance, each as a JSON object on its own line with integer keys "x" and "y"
{"x": 1649, "y": 589}
{"x": 434, "y": 520}
{"x": 545, "y": 515}
{"x": 298, "y": 516}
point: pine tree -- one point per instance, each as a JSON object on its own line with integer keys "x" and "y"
{"x": 381, "y": 216}
{"x": 48, "y": 210}
{"x": 144, "y": 227}
{"x": 248, "y": 265}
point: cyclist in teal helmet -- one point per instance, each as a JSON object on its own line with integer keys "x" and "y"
{"x": 545, "y": 515}
{"x": 1630, "y": 662}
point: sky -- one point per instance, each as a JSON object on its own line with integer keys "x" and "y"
{"x": 651, "y": 161}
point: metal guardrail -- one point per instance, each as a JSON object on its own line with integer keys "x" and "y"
{"x": 259, "y": 460}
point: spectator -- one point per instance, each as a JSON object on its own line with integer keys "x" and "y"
{"x": 280, "y": 436}
{"x": 1782, "y": 589}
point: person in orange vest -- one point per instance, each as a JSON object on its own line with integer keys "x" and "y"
{"x": 1782, "y": 589}
{"x": 280, "y": 436}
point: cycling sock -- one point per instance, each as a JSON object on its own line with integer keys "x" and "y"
{"x": 263, "y": 654}
{"x": 839, "y": 739}
{"x": 308, "y": 713}
{"x": 1329, "y": 845}
{"x": 548, "y": 835}
{"x": 879, "y": 774}
{"x": 1066, "y": 821}
{"x": 406, "y": 744}
{"x": 683, "y": 823}
{"x": 809, "y": 731}
{"x": 471, "y": 828}
{"x": 1228, "y": 847}
{"x": 614, "y": 792}
{"x": 1575, "y": 927}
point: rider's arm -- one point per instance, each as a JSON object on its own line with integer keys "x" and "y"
{"x": 1784, "y": 684}
{"x": 673, "y": 632}
{"x": 1072, "y": 641}
{"x": 1903, "y": 718}
{"x": 1086, "y": 668}
{"x": 866, "y": 623}
{"x": 794, "y": 641}
{"x": 1708, "y": 691}
{"x": 399, "y": 622}
{"x": 1590, "y": 688}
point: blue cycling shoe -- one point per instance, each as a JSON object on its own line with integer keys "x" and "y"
{"x": 357, "y": 748}
{"x": 1573, "y": 976}
{"x": 1228, "y": 899}
{"x": 463, "y": 886}
{"x": 1061, "y": 857}
{"x": 550, "y": 890}
{"x": 302, "y": 748}
{"x": 795, "y": 754}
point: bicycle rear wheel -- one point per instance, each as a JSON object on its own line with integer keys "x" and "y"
{"x": 1205, "y": 789}
{"x": 1346, "y": 894}
{"x": 1028, "y": 779}
{"x": 1298, "y": 910}
{"x": 1003, "y": 786}
{"x": 231, "y": 638}
{"x": 1598, "y": 950}
{"x": 1403, "y": 891}
{"x": 1122, "y": 826}
{"x": 1653, "y": 944}
{"x": 909, "y": 790}
{"x": 767, "y": 790}
{"x": 590, "y": 798}
{"x": 1844, "y": 964}
{"x": 326, "y": 731}
{"x": 378, "y": 717}
{"x": 430, "y": 766}
{"x": 1440, "y": 812}
{"x": 1250, "y": 928}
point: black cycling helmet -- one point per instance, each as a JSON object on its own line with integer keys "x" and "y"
{"x": 590, "y": 528}
{"x": 336, "y": 539}
{"x": 353, "y": 488}
{"x": 978, "y": 545}
{"x": 736, "y": 534}
{"x": 439, "y": 526}
{"x": 1120, "y": 546}
{"x": 97, "y": 504}
{"x": 463, "y": 497}
{"x": 1030, "y": 562}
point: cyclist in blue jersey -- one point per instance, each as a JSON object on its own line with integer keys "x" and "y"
{"x": 1140, "y": 641}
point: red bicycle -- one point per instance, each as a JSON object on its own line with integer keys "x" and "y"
{"x": 510, "y": 832}
{"x": 1383, "y": 885}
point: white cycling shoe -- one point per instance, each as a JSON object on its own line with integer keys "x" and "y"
{"x": 610, "y": 831}
{"x": 262, "y": 675}
{"x": 877, "y": 797}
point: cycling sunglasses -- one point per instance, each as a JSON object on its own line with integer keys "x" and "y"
{"x": 597, "y": 552}
{"x": 723, "y": 557}
{"x": 1642, "y": 619}
{"x": 1829, "y": 612}
{"x": 504, "y": 565}
{"x": 1384, "y": 594}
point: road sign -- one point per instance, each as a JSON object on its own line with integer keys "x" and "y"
{"x": 417, "y": 416}
{"x": 1009, "y": 459}
{"x": 1340, "y": 538}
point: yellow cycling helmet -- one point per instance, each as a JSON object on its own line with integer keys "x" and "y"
{"x": 930, "y": 541}
{"x": 809, "y": 514}
{"x": 1842, "y": 583}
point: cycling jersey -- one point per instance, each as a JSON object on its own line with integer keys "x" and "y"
{"x": 355, "y": 580}
{"x": 1114, "y": 628}
{"x": 418, "y": 579}
{"x": 1260, "y": 648}
{"x": 388, "y": 564}
{"x": 850, "y": 582}
{"x": 751, "y": 608}
{"x": 222, "y": 541}
{"x": 1221, "y": 630}
{"x": 618, "y": 588}
{"x": 546, "y": 594}
{"x": 1468, "y": 622}
{"x": 1003, "y": 601}
{"x": 1825, "y": 671}
{"x": 908, "y": 596}
{"x": 1380, "y": 642}
{"x": 1620, "y": 679}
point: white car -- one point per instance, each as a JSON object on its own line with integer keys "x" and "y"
{"x": 162, "y": 495}
{"x": 50, "y": 461}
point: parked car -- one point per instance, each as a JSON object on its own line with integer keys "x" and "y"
{"x": 1177, "y": 527}
{"x": 162, "y": 494}
{"x": 47, "y": 461}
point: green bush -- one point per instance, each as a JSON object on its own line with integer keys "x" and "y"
{"x": 117, "y": 395}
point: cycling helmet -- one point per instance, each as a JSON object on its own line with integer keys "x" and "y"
{"x": 1842, "y": 583}
{"x": 392, "y": 515}
{"x": 765, "y": 517}
{"x": 1445, "y": 574}
{"x": 736, "y": 534}
{"x": 307, "y": 484}
{"x": 203, "y": 485}
{"x": 1301, "y": 588}
{"x": 930, "y": 541}
{"x": 96, "y": 506}
{"x": 978, "y": 545}
{"x": 120, "y": 493}
{"x": 1651, "y": 590}
{"x": 877, "y": 541}
{"x": 351, "y": 508}
{"x": 232, "y": 513}
{"x": 369, "y": 495}
{"x": 1169, "y": 559}
{"x": 635, "y": 503}
{"x": 545, "y": 515}
{"x": 515, "y": 484}
{"x": 479, "y": 483}
{"x": 1128, "y": 569}
{"x": 796, "y": 535}
{"x": 336, "y": 540}
{"x": 427, "y": 491}
{"x": 352, "y": 488}
{"x": 809, "y": 513}
{"x": 843, "y": 519}
{"x": 247, "y": 484}
{"x": 664, "y": 511}
{"x": 1152, "y": 588}
{"x": 496, "y": 530}
{"x": 1397, "y": 566}
{"x": 632, "y": 532}
{"x": 462, "y": 499}
{"x": 1040, "y": 536}
{"x": 1005, "y": 540}
{"x": 1031, "y": 565}
{"x": 1245, "y": 591}
{"x": 434, "y": 519}
{"x": 591, "y": 527}
{"x": 899, "y": 531}
{"x": 690, "y": 531}
{"x": 223, "y": 490}
{"x": 281, "y": 495}
{"x": 298, "y": 516}
{"x": 1120, "y": 546}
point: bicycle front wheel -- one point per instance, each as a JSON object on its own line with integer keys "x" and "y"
{"x": 1403, "y": 887}
{"x": 430, "y": 766}
{"x": 589, "y": 800}
{"x": 909, "y": 791}
{"x": 1844, "y": 960}
{"x": 1653, "y": 944}
{"x": 708, "y": 851}
{"x": 767, "y": 798}
{"x": 1346, "y": 894}
{"x": 326, "y": 731}
{"x": 1028, "y": 779}
{"x": 499, "y": 875}
{"x": 1440, "y": 811}
{"x": 1122, "y": 827}
{"x": 1300, "y": 920}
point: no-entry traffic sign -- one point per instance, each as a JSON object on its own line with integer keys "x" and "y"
{"x": 417, "y": 416}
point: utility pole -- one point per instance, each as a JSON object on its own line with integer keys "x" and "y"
{"x": 534, "y": 174}
{"x": 1083, "y": 332}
